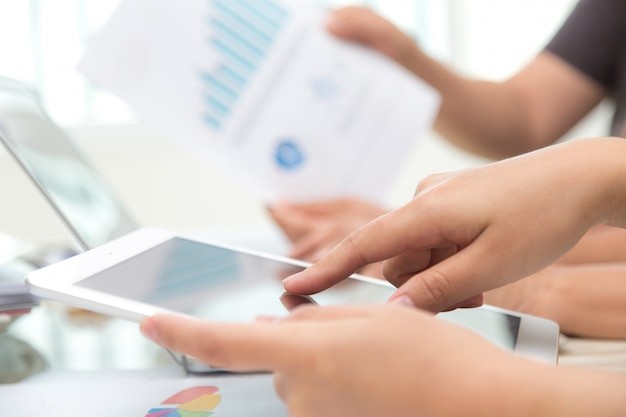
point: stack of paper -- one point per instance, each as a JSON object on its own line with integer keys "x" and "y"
{"x": 14, "y": 298}
{"x": 260, "y": 89}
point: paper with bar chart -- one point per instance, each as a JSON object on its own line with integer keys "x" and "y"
{"x": 259, "y": 89}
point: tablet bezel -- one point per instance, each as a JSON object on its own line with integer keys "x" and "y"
{"x": 537, "y": 337}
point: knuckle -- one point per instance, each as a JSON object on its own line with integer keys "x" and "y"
{"x": 353, "y": 246}
{"x": 437, "y": 288}
{"x": 426, "y": 183}
{"x": 432, "y": 181}
{"x": 392, "y": 274}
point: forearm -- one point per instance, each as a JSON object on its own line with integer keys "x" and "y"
{"x": 519, "y": 387}
{"x": 577, "y": 392}
{"x": 586, "y": 300}
{"x": 530, "y": 110}
{"x": 483, "y": 117}
{"x": 600, "y": 244}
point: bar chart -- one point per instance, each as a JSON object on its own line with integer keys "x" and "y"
{"x": 241, "y": 34}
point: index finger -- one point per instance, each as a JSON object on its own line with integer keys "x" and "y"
{"x": 234, "y": 346}
{"x": 383, "y": 238}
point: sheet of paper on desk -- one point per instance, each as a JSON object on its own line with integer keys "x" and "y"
{"x": 106, "y": 396}
{"x": 261, "y": 90}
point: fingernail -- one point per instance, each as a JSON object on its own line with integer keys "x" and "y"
{"x": 149, "y": 330}
{"x": 291, "y": 278}
{"x": 333, "y": 23}
{"x": 403, "y": 300}
{"x": 267, "y": 319}
{"x": 277, "y": 204}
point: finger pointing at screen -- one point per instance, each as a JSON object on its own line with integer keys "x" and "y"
{"x": 471, "y": 231}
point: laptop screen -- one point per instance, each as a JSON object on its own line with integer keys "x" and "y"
{"x": 80, "y": 196}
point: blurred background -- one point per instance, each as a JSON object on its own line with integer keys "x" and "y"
{"x": 41, "y": 42}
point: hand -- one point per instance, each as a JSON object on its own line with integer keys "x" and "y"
{"x": 468, "y": 232}
{"x": 360, "y": 361}
{"x": 601, "y": 244}
{"x": 587, "y": 300}
{"x": 363, "y": 26}
{"x": 315, "y": 228}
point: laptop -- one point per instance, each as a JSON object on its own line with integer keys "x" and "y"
{"x": 79, "y": 195}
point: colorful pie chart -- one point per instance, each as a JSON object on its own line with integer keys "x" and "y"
{"x": 192, "y": 402}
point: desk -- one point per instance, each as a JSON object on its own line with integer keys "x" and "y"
{"x": 607, "y": 355}
{"x": 55, "y": 337}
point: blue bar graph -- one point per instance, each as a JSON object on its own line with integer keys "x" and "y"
{"x": 241, "y": 34}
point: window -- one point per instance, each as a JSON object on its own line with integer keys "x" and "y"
{"x": 43, "y": 40}
{"x": 46, "y": 40}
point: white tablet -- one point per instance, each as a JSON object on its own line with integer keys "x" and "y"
{"x": 154, "y": 271}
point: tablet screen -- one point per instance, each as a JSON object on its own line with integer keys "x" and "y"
{"x": 216, "y": 283}
{"x": 221, "y": 284}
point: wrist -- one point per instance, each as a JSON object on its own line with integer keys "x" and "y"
{"x": 605, "y": 177}
{"x": 538, "y": 390}
{"x": 581, "y": 392}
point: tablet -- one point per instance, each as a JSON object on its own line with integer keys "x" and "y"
{"x": 153, "y": 271}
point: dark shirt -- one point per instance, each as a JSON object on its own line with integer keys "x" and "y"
{"x": 593, "y": 40}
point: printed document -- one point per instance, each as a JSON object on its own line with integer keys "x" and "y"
{"x": 259, "y": 89}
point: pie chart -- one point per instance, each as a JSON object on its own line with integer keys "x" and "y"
{"x": 192, "y": 402}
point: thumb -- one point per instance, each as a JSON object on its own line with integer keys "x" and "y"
{"x": 456, "y": 282}
{"x": 233, "y": 346}
{"x": 361, "y": 25}
{"x": 294, "y": 222}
